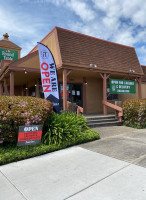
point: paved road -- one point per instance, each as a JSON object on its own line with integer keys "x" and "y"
{"x": 84, "y": 172}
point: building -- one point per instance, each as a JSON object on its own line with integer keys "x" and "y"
{"x": 84, "y": 66}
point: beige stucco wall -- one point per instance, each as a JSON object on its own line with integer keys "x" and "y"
{"x": 123, "y": 97}
{"x": 94, "y": 95}
{"x": 32, "y": 62}
{"x": 143, "y": 90}
{"x": 50, "y": 42}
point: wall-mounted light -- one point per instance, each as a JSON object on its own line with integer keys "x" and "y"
{"x": 25, "y": 72}
{"x": 131, "y": 70}
{"x": 85, "y": 82}
{"x": 35, "y": 85}
{"x": 93, "y": 65}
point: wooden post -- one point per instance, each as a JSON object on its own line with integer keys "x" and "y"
{"x": 5, "y": 87}
{"x": 65, "y": 74}
{"x": 104, "y": 93}
{"x": 139, "y": 88}
{"x": 1, "y": 89}
{"x": 64, "y": 89}
{"x": 84, "y": 94}
{"x": 11, "y": 83}
{"x": 104, "y": 77}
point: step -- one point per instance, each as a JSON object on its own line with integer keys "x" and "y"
{"x": 101, "y": 120}
{"x": 88, "y": 117}
{"x": 103, "y": 124}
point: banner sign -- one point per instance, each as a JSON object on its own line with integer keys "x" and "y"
{"x": 122, "y": 86}
{"x": 49, "y": 76}
{"x": 29, "y": 135}
{"x": 6, "y": 54}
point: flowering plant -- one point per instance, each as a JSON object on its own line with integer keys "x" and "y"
{"x": 18, "y": 111}
{"x": 135, "y": 112}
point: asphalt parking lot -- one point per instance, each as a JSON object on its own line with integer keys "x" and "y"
{"x": 124, "y": 143}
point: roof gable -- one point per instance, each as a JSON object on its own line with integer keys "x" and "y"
{"x": 9, "y": 44}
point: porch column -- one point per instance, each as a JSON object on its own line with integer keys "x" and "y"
{"x": 64, "y": 89}
{"x": 5, "y": 87}
{"x": 84, "y": 95}
{"x": 139, "y": 88}
{"x": 11, "y": 83}
{"x": 1, "y": 89}
{"x": 104, "y": 77}
{"x": 104, "y": 93}
{"x": 65, "y": 74}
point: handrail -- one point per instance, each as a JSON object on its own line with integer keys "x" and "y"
{"x": 79, "y": 108}
{"x": 115, "y": 107}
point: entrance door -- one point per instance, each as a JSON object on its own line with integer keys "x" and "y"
{"x": 74, "y": 94}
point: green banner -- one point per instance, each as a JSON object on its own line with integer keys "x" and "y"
{"x": 122, "y": 86}
{"x": 6, "y": 54}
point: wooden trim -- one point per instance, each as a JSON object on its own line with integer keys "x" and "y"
{"x": 11, "y": 83}
{"x": 68, "y": 72}
{"x": 58, "y": 47}
{"x": 115, "y": 107}
{"x": 100, "y": 70}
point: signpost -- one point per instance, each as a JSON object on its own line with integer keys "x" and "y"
{"x": 122, "y": 86}
{"x": 6, "y": 54}
{"x": 29, "y": 135}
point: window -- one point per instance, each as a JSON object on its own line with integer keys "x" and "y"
{"x": 111, "y": 96}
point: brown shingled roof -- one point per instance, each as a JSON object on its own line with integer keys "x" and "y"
{"x": 81, "y": 49}
{"x": 144, "y": 71}
{"x": 8, "y": 43}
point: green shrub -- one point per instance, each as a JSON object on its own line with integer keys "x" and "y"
{"x": 135, "y": 113}
{"x": 19, "y": 111}
{"x": 65, "y": 127}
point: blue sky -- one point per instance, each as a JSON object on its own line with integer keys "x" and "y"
{"x": 121, "y": 21}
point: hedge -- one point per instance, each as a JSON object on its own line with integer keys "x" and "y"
{"x": 135, "y": 113}
{"x": 18, "y": 111}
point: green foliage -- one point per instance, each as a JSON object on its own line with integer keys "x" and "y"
{"x": 135, "y": 113}
{"x": 11, "y": 153}
{"x": 19, "y": 111}
{"x": 63, "y": 128}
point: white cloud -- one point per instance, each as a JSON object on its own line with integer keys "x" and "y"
{"x": 142, "y": 54}
{"x": 81, "y": 9}
{"x": 21, "y": 28}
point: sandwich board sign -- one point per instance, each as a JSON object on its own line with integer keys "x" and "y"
{"x": 29, "y": 135}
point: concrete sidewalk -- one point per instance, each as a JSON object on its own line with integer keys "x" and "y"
{"x": 74, "y": 174}
{"x": 78, "y": 173}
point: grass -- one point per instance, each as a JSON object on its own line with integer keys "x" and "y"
{"x": 11, "y": 153}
